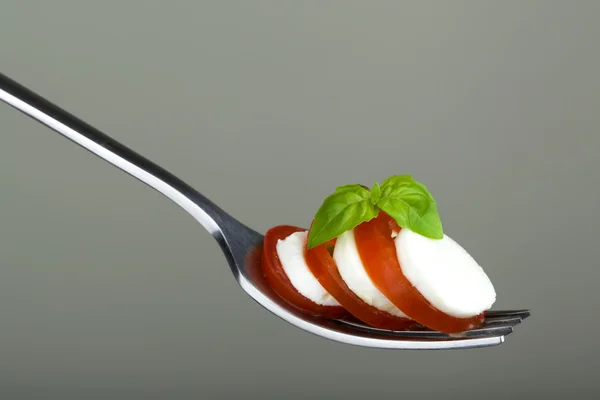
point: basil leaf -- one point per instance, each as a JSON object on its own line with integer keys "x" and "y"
{"x": 411, "y": 205}
{"x": 343, "y": 210}
{"x": 375, "y": 193}
{"x": 397, "y": 179}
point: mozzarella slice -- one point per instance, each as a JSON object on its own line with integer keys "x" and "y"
{"x": 353, "y": 272}
{"x": 291, "y": 255}
{"x": 445, "y": 274}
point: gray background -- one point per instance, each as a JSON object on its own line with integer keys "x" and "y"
{"x": 107, "y": 290}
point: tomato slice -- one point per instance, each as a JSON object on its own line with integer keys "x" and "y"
{"x": 324, "y": 268}
{"x": 378, "y": 253}
{"x": 281, "y": 284}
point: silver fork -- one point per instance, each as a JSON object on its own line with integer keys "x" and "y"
{"x": 241, "y": 245}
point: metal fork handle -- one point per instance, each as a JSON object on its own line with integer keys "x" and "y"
{"x": 202, "y": 209}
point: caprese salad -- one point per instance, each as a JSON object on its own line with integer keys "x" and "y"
{"x": 381, "y": 256}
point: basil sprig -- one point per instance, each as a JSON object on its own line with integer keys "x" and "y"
{"x": 400, "y": 196}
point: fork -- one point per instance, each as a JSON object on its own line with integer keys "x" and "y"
{"x": 242, "y": 245}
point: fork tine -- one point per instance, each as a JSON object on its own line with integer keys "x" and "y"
{"x": 489, "y": 322}
{"x": 508, "y": 314}
{"x": 488, "y": 331}
{"x": 473, "y": 333}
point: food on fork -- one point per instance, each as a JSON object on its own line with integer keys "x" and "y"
{"x": 381, "y": 256}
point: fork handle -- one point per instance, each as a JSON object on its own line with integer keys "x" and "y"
{"x": 202, "y": 209}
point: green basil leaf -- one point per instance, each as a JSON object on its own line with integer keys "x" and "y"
{"x": 411, "y": 205}
{"x": 397, "y": 179}
{"x": 375, "y": 193}
{"x": 343, "y": 210}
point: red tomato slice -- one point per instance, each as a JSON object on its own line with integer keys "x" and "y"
{"x": 378, "y": 253}
{"x": 324, "y": 268}
{"x": 279, "y": 281}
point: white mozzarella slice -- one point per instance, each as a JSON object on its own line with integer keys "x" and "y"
{"x": 291, "y": 255}
{"x": 445, "y": 274}
{"x": 353, "y": 272}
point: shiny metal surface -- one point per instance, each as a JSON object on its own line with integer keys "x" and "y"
{"x": 242, "y": 245}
